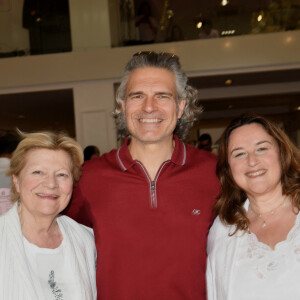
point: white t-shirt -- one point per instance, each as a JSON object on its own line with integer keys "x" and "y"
{"x": 51, "y": 272}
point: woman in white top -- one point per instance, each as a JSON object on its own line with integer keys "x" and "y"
{"x": 254, "y": 243}
{"x": 44, "y": 255}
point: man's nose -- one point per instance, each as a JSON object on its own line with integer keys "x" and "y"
{"x": 149, "y": 104}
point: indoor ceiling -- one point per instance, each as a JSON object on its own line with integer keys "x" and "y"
{"x": 220, "y": 110}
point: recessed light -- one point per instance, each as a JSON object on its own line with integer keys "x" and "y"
{"x": 199, "y": 25}
{"x": 228, "y": 81}
{"x": 224, "y": 2}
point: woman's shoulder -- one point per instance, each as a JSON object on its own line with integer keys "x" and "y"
{"x": 219, "y": 228}
{"x": 11, "y": 214}
{"x": 219, "y": 233}
{"x": 71, "y": 226}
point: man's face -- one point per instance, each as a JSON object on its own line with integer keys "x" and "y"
{"x": 150, "y": 107}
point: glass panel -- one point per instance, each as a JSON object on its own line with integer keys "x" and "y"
{"x": 177, "y": 20}
{"x": 48, "y": 24}
{"x": 34, "y": 27}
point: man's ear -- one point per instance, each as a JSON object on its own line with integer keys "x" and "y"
{"x": 16, "y": 183}
{"x": 181, "y": 107}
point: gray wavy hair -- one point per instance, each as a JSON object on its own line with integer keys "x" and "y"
{"x": 169, "y": 62}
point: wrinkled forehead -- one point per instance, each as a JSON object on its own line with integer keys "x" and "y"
{"x": 151, "y": 78}
{"x": 38, "y": 155}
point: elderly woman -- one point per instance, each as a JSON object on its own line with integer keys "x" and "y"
{"x": 254, "y": 243}
{"x": 44, "y": 255}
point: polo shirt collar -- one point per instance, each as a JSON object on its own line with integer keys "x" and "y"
{"x": 125, "y": 160}
{"x": 179, "y": 153}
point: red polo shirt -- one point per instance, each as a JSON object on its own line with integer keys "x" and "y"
{"x": 150, "y": 235}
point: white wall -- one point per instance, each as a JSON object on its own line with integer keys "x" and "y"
{"x": 90, "y": 28}
{"x": 93, "y": 104}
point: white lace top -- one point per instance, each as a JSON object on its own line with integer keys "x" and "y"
{"x": 242, "y": 268}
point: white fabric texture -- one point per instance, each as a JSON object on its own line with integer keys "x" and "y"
{"x": 51, "y": 271}
{"x": 241, "y": 267}
{"x": 15, "y": 277}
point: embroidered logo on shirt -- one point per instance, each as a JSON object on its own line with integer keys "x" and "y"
{"x": 196, "y": 212}
{"x": 56, "y": 291}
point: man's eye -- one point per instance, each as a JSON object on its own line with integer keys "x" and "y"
{"x": 136, "y": 97}
{"x": 163, "y": 96}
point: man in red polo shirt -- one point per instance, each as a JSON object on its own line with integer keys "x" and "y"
{"x": 150, "y": 201}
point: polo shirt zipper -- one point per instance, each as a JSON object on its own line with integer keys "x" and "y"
{"x": 152, "y": 183}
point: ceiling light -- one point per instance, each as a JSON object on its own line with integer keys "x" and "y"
{"x": 259, "y": 17}
{"x": 228, "y": 81}
{"x": 199, "y": 25}
{"x": 224, "y": 2}
{"x": 228, "y": 32}
{"x": 170, "y": 13}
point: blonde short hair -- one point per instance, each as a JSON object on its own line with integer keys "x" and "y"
{"x": 45, "y": 140}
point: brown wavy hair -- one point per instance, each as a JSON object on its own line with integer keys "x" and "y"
{"x": 168, "y": 61}
{"x": 229, "y": 205}
{"x": 44, "y": 140}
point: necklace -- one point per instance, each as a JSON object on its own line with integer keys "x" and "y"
{"x": 268, "y": 214}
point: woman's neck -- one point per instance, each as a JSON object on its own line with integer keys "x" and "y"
{"x": 268, "y": 201}
{"x": 41, "y": 231}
